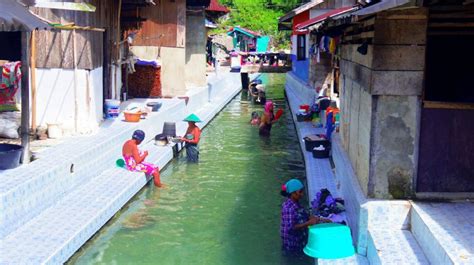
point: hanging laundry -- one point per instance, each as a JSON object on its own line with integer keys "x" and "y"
{"x": 326, "y": 43}
{"x": 11, "y": 75}
{"x": 312, "y": 50}
{"x": 321, "y": 44}
{"x": 318, "y": 55}
{"x": 332, "y": 46}
{"x": 336, "y": 43}
{"x": 9, "y": 84}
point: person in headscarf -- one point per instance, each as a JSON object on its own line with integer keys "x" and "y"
{"x": 267, "y": 119}
{"x": 191, "y": 138}
{"x": 135, "y": 159}
{"x": 295, "y": 219}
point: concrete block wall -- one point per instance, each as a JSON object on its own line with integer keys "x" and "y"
{"x": 381, "y": 101}
{"x": 196, "y": 38}
{"x": 173, "y": 71}
{"x": 356, "y": 124}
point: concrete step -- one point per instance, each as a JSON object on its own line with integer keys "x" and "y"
{"x": 59, "y": 231}
{"x": 353, "y": 260}
{"x": 27, "y": 190}
{"x": 393, "y": 246}
{"x": 445, "y": 231}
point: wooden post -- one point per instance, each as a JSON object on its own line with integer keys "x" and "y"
{"x": 117, "y": 47}
{"x": 74, "y": 61}
{"x": 25, "y": 101}
{"x": 33, "y": 81}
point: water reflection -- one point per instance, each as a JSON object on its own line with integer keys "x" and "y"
{"x": 223, "y": 210}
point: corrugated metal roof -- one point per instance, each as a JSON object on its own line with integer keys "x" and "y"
{"x": 381, "y": 6}
{"x": 16, "y": 17}
{"x": 322, "y": 17}
{"x": 216, "y": 7}
{"x": 299, "y": 10}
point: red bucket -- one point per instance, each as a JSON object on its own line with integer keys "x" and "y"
{"x": 305, "y": 107}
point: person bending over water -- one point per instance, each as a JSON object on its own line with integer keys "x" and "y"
{"x": 135, "y": 159}
{"x": 192, "y": 137}
{"x": 267, "y": 120}
{"x": 295, "y": 219}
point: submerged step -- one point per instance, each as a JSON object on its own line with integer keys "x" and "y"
{"x": 353, "y": 260}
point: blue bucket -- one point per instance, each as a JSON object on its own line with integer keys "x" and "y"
{"x": 112, "y": 108}
{"x": 10, "y": 155}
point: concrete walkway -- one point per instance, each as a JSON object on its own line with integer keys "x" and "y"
{"x": 319, "y": 173}
{"x": 52, "y": 206}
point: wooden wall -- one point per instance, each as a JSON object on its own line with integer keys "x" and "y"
{"x": 446, "y": 158}
{"x": 165, "y": 25}
{"x": 54, "y": 48}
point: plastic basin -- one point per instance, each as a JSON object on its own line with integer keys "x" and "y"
{"x": 329, "y": 241}
{"x": 132, "y": 117}
{"x": 10, "y": 155}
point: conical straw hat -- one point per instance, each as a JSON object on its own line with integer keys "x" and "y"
{"x": 193, "y": 118}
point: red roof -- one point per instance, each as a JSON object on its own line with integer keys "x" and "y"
{"x": 322, "y": 17}
{"x": 216, "y": 7}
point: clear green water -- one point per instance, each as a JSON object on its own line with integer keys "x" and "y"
{"x": 224, "y": 210}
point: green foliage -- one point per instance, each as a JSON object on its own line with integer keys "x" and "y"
{"x": 259, "y": 15}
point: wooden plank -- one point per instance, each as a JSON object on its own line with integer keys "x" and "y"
{"x": 160, "y": 29}
{"x": 451, "y": 25}
{"x": 33, "y": 80}
{"x": 452, "y": 15}
{"x": 181, "y": 24}
{"x": 54, "y": 47}
{"x": 84, "y": 50}
{"x": 447, "y": 105}
{"x": 366, "y": 35}
{"x": 48, "y": 52}
{"x": 66, "y": 50}
{"x": 449, "y": 33}
{"x": 446, "y": 153}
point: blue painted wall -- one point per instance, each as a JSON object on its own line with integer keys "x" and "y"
{"x": 300, "y": 68}
{"x": 262, "y": 43}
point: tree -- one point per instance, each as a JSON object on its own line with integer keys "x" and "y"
{"x": 259, "y": 15}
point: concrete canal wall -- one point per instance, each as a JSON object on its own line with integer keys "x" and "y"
{"x": 51, "y": 207}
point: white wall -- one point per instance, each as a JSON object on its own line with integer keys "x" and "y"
{"x": 55, "y": 98}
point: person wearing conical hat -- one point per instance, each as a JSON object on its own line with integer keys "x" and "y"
{"x": 191, "y": 138}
